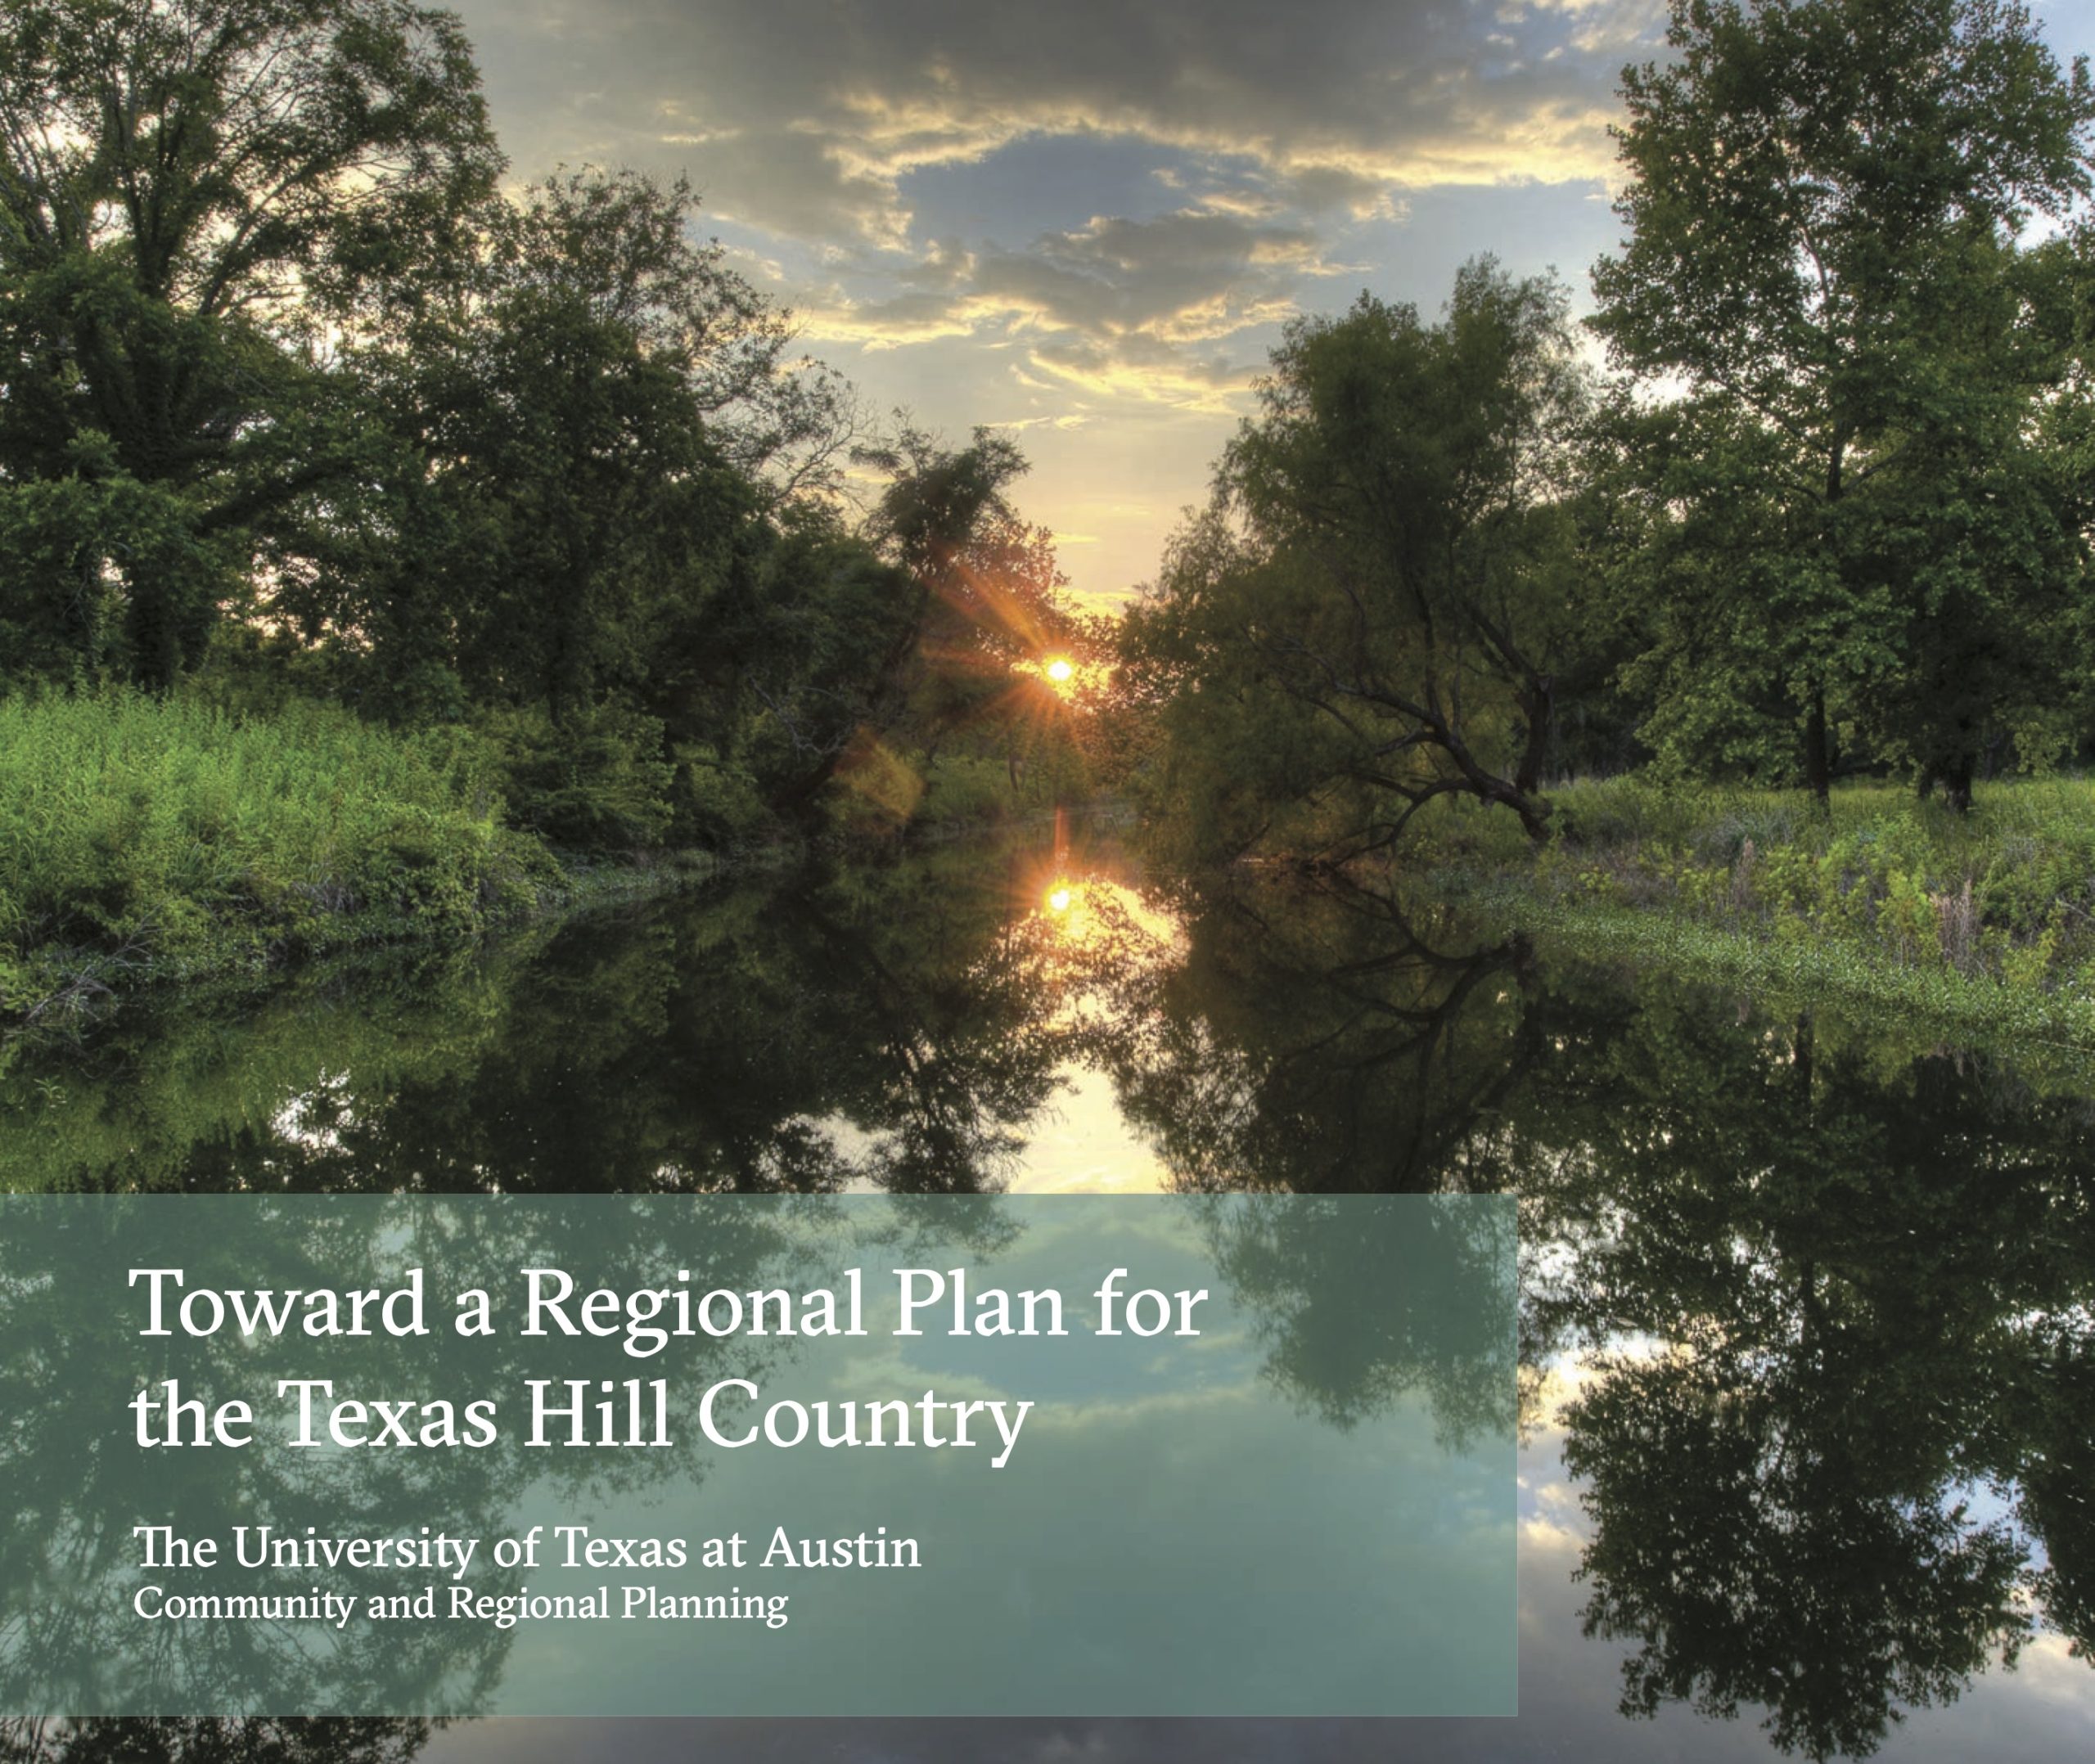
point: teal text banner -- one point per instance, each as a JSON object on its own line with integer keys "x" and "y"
{"x": 757, "y": 1456}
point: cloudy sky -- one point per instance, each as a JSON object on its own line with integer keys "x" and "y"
{"x": 1086, "y": 221}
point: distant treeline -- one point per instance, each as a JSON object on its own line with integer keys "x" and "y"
{"x": 299, "y": 403}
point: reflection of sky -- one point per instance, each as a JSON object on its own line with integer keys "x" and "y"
{"x": 1083, "y": 1143}
{"x": 1079, "y": 1144}
{"x": 2042, "y": 1713}
{"x": 1165, "y": 1503}
{"x": 1085, "y": 1146}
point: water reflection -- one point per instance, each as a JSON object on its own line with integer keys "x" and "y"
{"x": 1808, "y": 1305}
{"x": 1315, "y": 1318}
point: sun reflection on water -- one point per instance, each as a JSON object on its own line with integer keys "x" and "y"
{"x": 1097, "y": 916}
{"x": 1092, "y": 935}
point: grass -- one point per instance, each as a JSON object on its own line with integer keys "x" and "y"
{"x": 1985, "y": 919}
{"x": 142, "y": 836}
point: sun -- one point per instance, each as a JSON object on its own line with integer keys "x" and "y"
{"x": 1061, "y": 670}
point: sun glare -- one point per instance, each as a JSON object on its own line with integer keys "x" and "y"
{"x": 1060, "y": 671}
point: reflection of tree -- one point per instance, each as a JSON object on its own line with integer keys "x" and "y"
{"x": 886, "y": 1028}
{"x": 1874, "y": 1279}
{"x": 73, "y": 1483}
{"x": 1856, "y": 1472}
{"x": 1326, "y": 1048}
{"x": 1747, "y": 1537}
{"x": 2057, "y": 1504}
{"x": 140, "y": 1740}
{"x": 1856, "y": 1466}
{"x": 1354, "y": 1318}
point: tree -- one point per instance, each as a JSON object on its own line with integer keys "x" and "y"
{"x": 1828, "y": 205}
{"x": 198, "y": 200}
{"x": 1000, "y": 609}
{"x": 565, "y": 436}
{"x": 596, "y": 444}
{"x": 1368, "y": 618}
{"x": 937, "y": 501}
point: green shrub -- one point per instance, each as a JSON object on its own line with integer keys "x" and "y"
{"x": 717, "y": 803}
{"x": 966, "y": 788}
{"x": 2003, "y": 897}
{"x": 166, "y": 831}
{"x": 595, "y": 782}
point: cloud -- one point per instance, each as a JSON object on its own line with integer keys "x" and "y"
{"x": 909, "y": 172}
{"x": 1118, "y": 308}
{"x": 808, "y": 116}
{"x": 1146, "y": 371}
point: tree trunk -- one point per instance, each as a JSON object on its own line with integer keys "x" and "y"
{"x": 1818, "y": 758}
{"x": 1534, "y": 815}
{"x": 1957, "y": 783}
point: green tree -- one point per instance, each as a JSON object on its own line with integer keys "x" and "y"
{"x": 199, "y": 199}
{"x": 1000, "y": 614}
{"x": 582, "y": 534}
{"x": 938, "y": 501}
{"x": 1828, "y": 204}
{"x": 1369, "y": 615}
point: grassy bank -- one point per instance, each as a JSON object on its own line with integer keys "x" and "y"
{"x": 142, "y": 838}
{"x": 148, "y": 838}
{"x": 1986, "y": 919}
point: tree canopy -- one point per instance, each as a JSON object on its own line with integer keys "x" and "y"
{"x": 197, "y": 200}
{"x": 295, "y": 399}
{"x": 1842, "y": 241}
{"x": 1367, "y": 617}
{"x": 1827, "y": 513}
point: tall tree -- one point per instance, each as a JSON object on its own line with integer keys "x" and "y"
{"x": 1367, "y": 618}
{"x": 198, "y": 200}
{"x": 1827, "y": 206}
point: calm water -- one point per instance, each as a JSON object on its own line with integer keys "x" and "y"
{"x": 1809, "y": 1303}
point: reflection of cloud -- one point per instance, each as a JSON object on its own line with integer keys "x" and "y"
{"x": 1569, "y": 1691}
{"x": 2050, "y": 1669}
{"x": 1548, "y": 1537}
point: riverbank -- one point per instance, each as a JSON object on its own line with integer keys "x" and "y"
{"x": 1983, "y": 921}
{"x": 144, "y": 840}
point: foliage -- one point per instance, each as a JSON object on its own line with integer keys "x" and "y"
{"x": 135, "y": 831}
{"x": 194, "y": 196}
{"x": 299, "y": 405}
{"x": 1856, "y": 518}
{"x": 594, "y": 782}
{"x": 1988, "y": 921}
{"x": 1368, "y": 618}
